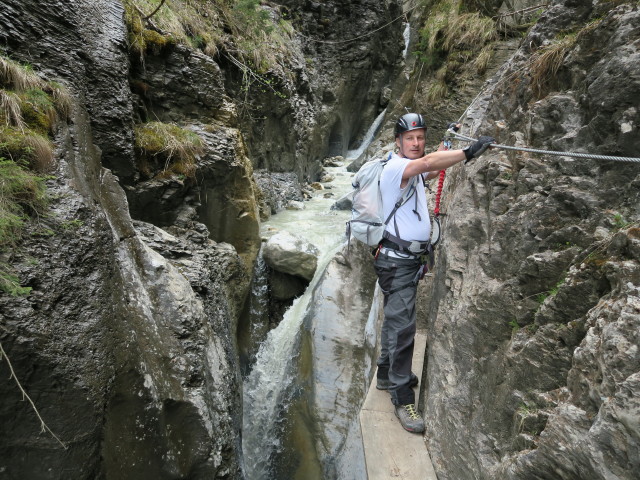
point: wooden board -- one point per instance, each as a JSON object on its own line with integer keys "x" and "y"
{"x": 390, "y": 451}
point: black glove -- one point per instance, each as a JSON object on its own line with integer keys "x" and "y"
{"x": 453, "y": 126}
{"x": 476, "y": 149}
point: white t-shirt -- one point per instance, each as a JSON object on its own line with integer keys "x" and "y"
{"x": 410, "y": 226}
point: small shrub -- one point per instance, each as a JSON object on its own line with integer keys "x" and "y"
{"x": 514, "y": 325}
{"x": 619, "y": 222}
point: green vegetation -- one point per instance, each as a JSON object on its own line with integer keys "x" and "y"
{"x": 30, "y": 107}
{"x": 541, "y": 297}
{"x": 619, "y": 222}
{"x": 21, "y": 193}
{"x": 241, "y": 28}
{"x": 514, "y": 325}
{"x": 454, "y": 41}
{"x": 545, "y": 63}
{"x": 29, "y": 110}
{"x": 166, "y": 149}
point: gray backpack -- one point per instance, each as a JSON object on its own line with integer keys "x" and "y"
{"x": 367, "y": 223}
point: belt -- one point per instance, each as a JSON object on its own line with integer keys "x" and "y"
{"x": 424, "y": 246}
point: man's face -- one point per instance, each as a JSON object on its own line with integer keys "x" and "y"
{"x": 411, "y": 144}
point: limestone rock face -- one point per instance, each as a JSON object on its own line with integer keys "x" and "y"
{"x": 339, "y": 84}
{"x": 291, "y": 254}
{"x": 126, "y": 340}
{"x": 277, "y": 191}
{"x": 338, "y": 354}
{"x": 533, "y": 321}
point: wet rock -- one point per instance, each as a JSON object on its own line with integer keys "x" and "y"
{"x": 332, "y": 161}
{"x": 293, "y": 205}
{"x": 338, "y": 352}
{"x": 343, "y": 203}
{"x": 537, "y": 294}
{"x": 284, "y": 286}
{"x": 291, "y": 254}
{"x": 181, "y": 84}
{"x": 277, "y": 191}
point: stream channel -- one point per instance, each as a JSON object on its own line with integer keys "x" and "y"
{"x": 267, "y": 389}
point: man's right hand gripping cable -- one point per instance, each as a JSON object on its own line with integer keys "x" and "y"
{"x": 477, "y": 148}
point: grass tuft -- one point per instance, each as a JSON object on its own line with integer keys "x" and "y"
{"x": 451, "y": 41}
{"x": 10, "y": 109}
{"x": 18, "y": 77}
{"x": 21, "y": 193}
{"x": 167, "y": 148}
{"x": 26, "y": 147}
{"x": 545, "y": 63}
{"x": 242, "y": 28}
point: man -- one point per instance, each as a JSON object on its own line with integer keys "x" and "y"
{"x": 400, "y": 256}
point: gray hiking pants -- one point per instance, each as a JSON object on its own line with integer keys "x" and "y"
{"x": 398, "y": 279}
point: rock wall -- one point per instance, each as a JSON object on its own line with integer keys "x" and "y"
{"x": 337, "y": 359}
{"x": 345, "y": 55}
{"x": 533, "y": 325}
{"x": 126, "y": 341}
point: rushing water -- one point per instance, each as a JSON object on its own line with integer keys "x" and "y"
{"x": 406, "y": 34}
{"x": 267, "y": 389}
{"x": 368, "y": 137}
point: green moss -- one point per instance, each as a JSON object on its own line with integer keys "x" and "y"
{"x": 38, "y": 111}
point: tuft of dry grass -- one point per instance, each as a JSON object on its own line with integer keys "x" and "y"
{"x": 545, "y": 63}
{"x": 167, "y": 148}
{"x": 243, "y": 28}
{"x": 437, "y": 91}
{"x": 26, "y": 147}
{"x": 10, "y": 109}
{"x": 469, "y": 30}
{"x": 450, "y": 40}
{"x": 18, "y": 77}
{"x": 482, "y": 60}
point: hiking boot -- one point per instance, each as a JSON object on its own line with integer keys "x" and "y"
{"x": 409, "y": 418}
{"x": 385, "y": 383}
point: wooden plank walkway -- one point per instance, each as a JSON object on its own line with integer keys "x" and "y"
{"x": 390, "y": 451}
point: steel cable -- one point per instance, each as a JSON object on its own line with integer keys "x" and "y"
{"x": 459, "y": 136}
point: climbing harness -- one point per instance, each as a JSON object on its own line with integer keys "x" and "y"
{"x": 458, "y": 136}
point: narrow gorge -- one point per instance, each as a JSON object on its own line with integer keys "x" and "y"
{"x": 178, "y": 299}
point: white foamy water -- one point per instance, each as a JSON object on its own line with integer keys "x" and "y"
{"x": 406, "y": 34}
{"x": 267, "y": 388}
{"x": 368, "y": 137}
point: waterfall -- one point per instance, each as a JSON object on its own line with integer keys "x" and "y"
{"x": 406, "y": 34}
{"x": 368, "y": 138}
{"x": 267, "y": 389}
{"x": 258, "y": 308}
